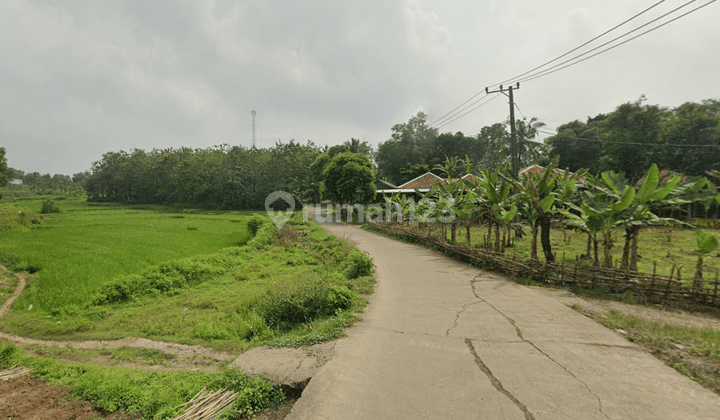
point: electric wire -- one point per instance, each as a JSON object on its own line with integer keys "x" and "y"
{"x": 455, "y": 110}
{"x": 555, "y": 68}
{"x": 630, "y": 142}
{"x": 471, "y": 110}
{"x": 582, "y": 45}
{"x": 440, "y": 121}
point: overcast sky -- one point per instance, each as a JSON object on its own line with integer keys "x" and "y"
{"x": 80, "y": 78}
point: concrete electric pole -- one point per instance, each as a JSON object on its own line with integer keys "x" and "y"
{"x": 513, "y": 138}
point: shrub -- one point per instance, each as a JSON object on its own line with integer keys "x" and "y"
{"x": 254, "y": 394}
{"x": 361, "y": 265}
{"x": 49, "y": 206}
{"x": 254, "y": 224}
{"x": 302, "y": 301}
{"x": 266, "y": 235}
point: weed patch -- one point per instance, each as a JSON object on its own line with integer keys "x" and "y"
{"x": 155, "y": 394}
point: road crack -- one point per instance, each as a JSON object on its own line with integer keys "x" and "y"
{"x": 519, "y": 334}
{"x": 496, "y": 383}
{"x": 457, "y": 316}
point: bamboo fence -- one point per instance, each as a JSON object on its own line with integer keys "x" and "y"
{"x": 648, "y": 288}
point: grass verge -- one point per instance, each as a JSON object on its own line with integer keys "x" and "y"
{"x": 153, "y": 394}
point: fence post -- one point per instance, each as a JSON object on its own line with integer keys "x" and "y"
{"x": 562, "y": 270}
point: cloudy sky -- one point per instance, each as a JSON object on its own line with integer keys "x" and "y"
{"x": 83, "y": 78}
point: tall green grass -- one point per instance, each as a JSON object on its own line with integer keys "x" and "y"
{"x": 77, "y": 251}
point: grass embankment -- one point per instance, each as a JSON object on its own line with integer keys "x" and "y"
{"x": 666, "y": 246}
{"x": 154, "y": 394}
{"x": 294, "y": 287}
{"x": 693, "y": 351}
{"x": 291, "y": 287}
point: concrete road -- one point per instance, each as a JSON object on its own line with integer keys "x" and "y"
{"x": 443, "y": 340}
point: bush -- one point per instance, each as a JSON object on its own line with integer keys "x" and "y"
{"x": 302, "y": 301}
{"x": 361, "y": 265}
{"x": 254, "y": 394}
{"x": 254, "y": 224}
{"x": 267, "y": 234}
{"x": 49, "y": 206}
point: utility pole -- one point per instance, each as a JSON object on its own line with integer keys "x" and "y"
{"x": 253, "y": 128}
{"x": 513, "y": 139}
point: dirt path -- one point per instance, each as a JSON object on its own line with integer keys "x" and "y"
{"x": 441, "y": 339}
{"x": 22, "y": 279}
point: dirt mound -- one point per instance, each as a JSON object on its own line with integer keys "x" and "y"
{"x": 27, "y": 398}
{"x": 285, "y": 364}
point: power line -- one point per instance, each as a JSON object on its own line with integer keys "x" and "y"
{"x": 550, "y": 70}
{"x": 477, "y": 131}
{"x": 462, "y": 115}
{"x": 455, "y": 110}
{"x": 555, "y": 68}
{"x": 584, "y": 44}
{"x": 440, "y": 121}
{"x": 633, "y": 143}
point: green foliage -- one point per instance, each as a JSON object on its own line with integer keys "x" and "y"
{"x": 167, "y": 279}
{"x": 13, "y": 217}
{"x": 628, "y": 139}
{"x": 360, "y": 265}
{"x": 3, "y": 168}
{"x": 49, "y": 206}
{"x": 254, "y": 394}
{"x": 254, "y": 223}
{"x": 706, "y": 243}
{"x": 349, "y": 178}
{"x": 76, "y": 252}
{"x": 302, "y": 301}
{"x": 155, "y": 394}
{"x": 220, "y": 177}
{"x": 266, "y": 235}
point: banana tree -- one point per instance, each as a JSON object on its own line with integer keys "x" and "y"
{"x": 706, "y": 244}
{"x": 599, "y": 211}
{"x": 536, "y": 203}
{"x": 498, "y": 201}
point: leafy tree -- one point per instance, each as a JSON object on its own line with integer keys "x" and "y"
{"x": 529, "y": 151}
{"x": 356, "y": 146}
{"x": 410, "y": 144}
{"x": 578, "y": 145}
{"x": 349, "y": 179}
{"x": 3, "y": 167}
{"x": 413, "y": 171}
{"x": 692, "y": 124}
{"x": 496, "y": 143}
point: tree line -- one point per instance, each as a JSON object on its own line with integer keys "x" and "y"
{"x": 684, "y": 139}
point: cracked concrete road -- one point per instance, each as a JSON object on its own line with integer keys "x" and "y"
{"x": 441, "y": 339}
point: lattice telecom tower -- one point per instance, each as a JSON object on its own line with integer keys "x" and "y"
{"x": 253, "y": 127}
